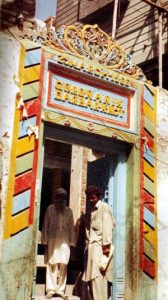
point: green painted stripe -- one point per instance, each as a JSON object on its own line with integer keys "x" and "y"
{"x": 29, "y": 45}
{"x": 24, "y": 163}
{"x": 149, "y": 185}
{"x": 30, "y": 91}
{"x": 149, "y": 126}
{"x": 149, "y": 250}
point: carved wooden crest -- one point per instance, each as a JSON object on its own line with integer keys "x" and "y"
{"x": 91, "y": 42}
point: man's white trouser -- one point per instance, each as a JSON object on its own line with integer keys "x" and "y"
{"x": 56, "y": 276}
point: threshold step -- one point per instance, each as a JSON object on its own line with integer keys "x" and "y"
{"x": 69, "y": 289}
{"x": 57, "y": 298}
{"x": 40, "y": 291}
{"x": 40, "y": 261}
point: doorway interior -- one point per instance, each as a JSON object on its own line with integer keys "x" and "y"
{"x": 73, "y": 160}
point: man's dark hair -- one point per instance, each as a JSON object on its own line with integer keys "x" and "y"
{"x": 93, "y": 189}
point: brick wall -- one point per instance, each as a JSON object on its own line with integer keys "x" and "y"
{"x": 11, "y": 9}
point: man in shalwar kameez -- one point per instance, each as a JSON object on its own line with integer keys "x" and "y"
{"x": 100, "y": 224}
{"x": 58, "y": 235}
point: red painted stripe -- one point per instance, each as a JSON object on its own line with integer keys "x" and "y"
{"x": 148, "y": 201}
{"x": 150, "y": 140}
{"x": 23, "y": 182}
{"x": 150, "y": 207}
{"x": 149, "y": 267}
{"x": 31, "y": 107}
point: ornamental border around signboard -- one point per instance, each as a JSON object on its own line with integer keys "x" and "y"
{"x": 110, "y": 83}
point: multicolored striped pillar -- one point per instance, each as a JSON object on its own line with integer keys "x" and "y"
{"x": 148, "y": 210}
{"x": 23, "y": 164}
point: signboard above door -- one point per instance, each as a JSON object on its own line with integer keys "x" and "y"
{"x": 91, "y": 93}
{"x": 89, "y": 101}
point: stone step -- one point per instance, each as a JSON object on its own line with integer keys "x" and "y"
{"x": 69, "y": 289}
{"x": 57, "y": 298}
{"x": 40, "y": 261}
{"x": 40, "y": 290}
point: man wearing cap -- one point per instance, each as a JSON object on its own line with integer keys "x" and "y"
{"x": 58, "y": 235}
{"x": 99, "y": 227}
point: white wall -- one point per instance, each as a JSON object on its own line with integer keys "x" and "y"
{"x": 162, "y": 175}
{"x": 9, "y": 63}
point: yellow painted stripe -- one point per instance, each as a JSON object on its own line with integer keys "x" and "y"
{"x": 19, "y": 222}
{"x": 31, "y": 74}
{"x": 150, "y": 235}
{"x": 25, "y": 145}
{"x": 149, "y": 170}
{"x": 149, "y": 112}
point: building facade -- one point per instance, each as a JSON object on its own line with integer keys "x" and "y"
{"x": 76, "y": 110}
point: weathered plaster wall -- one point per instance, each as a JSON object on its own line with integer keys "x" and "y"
{"x": 162, "y": 175}
{"x": 9, "y": 63}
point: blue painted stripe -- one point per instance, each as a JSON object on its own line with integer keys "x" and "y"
{"x": 148, "y": 155}
{"x": 21, "y": 202}
{"x": 149, "y": 217}
{"x": 33, "y": 57}
{"x": 23, "y": 125}
{"x": 148, "y": 96}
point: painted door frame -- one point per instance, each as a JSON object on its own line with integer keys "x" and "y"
{"x": 119, "y": 179}
{"x": 119, "y": 208}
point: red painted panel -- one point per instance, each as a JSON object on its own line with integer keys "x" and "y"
{"x": 148, "y": 201}
{"x": 149, "y": 266}
{"x": 31, "y": 108}
{"x": 149, "y": 139}
{"x": 23, "y": 182}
